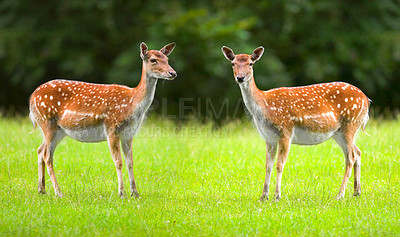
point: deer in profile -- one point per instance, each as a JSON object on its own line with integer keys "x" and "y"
{"x": 97, "y": 112}
{"x": 305, "y": 115}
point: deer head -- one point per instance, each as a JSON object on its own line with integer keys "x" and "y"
{"x": 155, "y": 63}
{"x": 242, "y": 64}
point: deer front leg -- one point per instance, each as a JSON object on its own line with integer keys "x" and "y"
{"x": 284, "y": 146}
{"x": 113, "y": 143}
{"x": 270, "y": 158}
{"x": 127, "y": 149}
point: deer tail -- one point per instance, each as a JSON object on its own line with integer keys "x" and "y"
{"x": 33, "y": 120}
{"x": 366, "y": 119}
{"x": 365, "y": 124}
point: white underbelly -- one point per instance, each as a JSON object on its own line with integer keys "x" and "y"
{"x": 302, "y": 136}
{"x": 87, "y": 134}
{"x": 98, "y": 133}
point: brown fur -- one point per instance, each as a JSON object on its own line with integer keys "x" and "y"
{"x": 61, "y": 105}
{"x": 338, "y": 109}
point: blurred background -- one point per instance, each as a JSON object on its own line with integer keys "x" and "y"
{"x": 98, "y": 41}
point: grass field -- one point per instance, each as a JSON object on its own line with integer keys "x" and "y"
{"x": 198, "y": 181}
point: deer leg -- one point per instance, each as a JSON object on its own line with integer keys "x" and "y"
{"x": 283, "y": 151}
{"x": 48, "y": 153}
{"x": 357, "y": 171}
{"x": 113, "y": 143}
{"x": 270, "y": 158}
{"x": 348, "y": 151}
{"x": 41, "y": 169}
{"x": 127, "y": 149}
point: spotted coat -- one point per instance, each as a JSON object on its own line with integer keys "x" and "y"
{"x": 75, "y": 104}
{"x": 305, "y": 115}
{"x": 90, "y": 112}
{"x": 320, "y": 108}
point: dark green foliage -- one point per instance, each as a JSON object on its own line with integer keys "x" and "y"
{"x": 98, "y": 41}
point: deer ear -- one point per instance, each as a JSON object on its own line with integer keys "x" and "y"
{"x": 143, "y": 50}
{"x": 257, "y": 53}
{"x": 167, "y": 49}
{"x": 228, "y": 53}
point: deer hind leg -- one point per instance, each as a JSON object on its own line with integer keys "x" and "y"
{"x": 41, "y": 169}
{"x": 52, "y": 138}
{"x": 345, "y": 141}
{"x": 270, "y": 153}
{"x": 357, "y": 171}
{"x": 114, "y": 144}
{"x": 283, "y": 151}
{"x": 127, "y": 149}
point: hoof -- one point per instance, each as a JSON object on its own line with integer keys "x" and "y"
{"x": 135, "y": 194}
{"x": 264, "y": 198}
{"x": 41, "y": 191}
{"x": 277, "y": 197}
{"x": 340, "y": 196}
{"x": 357, "y": 193}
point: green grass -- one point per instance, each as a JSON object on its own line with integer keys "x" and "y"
{"x": 198, "y": 181}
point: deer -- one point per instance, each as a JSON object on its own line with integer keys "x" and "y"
{"x": 304, "y": 115}
{"x": 89, "y": 112}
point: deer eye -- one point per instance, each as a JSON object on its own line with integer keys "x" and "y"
{"x": 251, "y": 64}
{"x": 233, "y": 64}
{"x": 153, "y": 60}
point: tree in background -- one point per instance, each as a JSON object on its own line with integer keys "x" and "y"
{"x": 98, "y": 41}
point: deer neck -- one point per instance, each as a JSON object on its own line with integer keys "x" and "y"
{"x": 146, "y": 89}
{"x": 251, "y": 96}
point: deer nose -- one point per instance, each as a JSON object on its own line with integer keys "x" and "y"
{"x": 172, "y": 74}
{"x": 240, "y": 79}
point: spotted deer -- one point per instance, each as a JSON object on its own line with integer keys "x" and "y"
{"x": 97, "y": 112}
{"x": 305, "y": 115}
